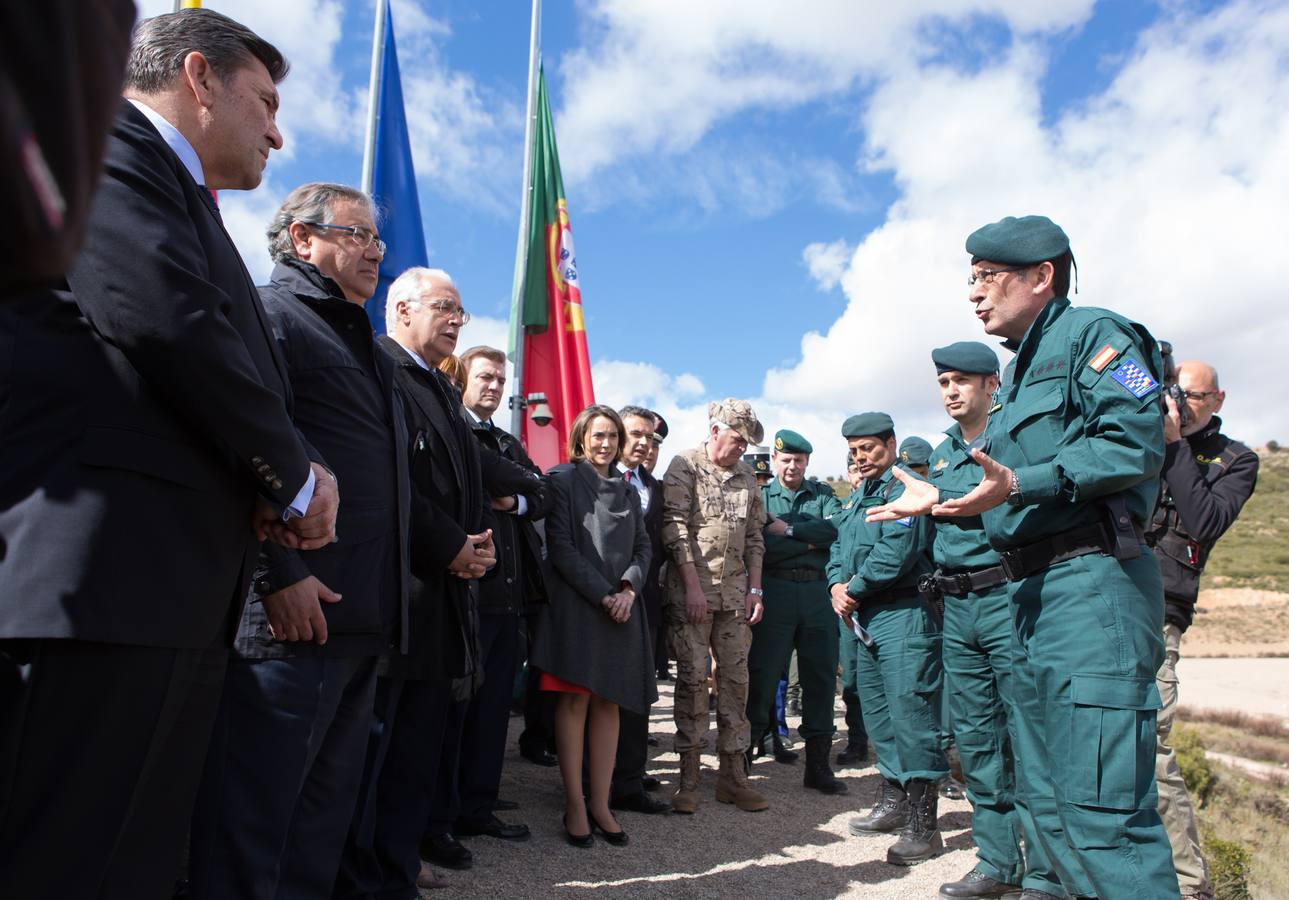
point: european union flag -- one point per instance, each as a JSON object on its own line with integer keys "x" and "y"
{"x": 393, "y": 180}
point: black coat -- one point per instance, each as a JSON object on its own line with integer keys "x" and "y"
{"x": 448, "y": 503}
{"x": 653, "y": 589}
{"x": 349, "y": 407}
{"x": 137, "y": 406}
{"x": 595, "y": 540}
{"x": 516, "y": 581}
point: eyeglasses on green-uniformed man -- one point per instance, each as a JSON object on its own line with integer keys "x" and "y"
{"x": 798, "y": 614}
{"x": 976, "y": 645}
{"x": 873, "y": 575}
{"x": 1071, "y": 475}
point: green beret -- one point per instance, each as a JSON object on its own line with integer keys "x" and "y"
{"x": 866, "y": 425}
{"x": 915, "y": 452}
{"x": 759, "y": 459}
{"x": 788, "y": 441}
{"x": 971, "y": 357}
{"x": 1018, "y": 242}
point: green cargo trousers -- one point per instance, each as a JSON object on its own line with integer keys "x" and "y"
{"x": 977, "y": 654}
{"x": 800, "y": 615}
{"x": 847, "y": 649}
{"x": 899, "y": 685}
{"x": 1088, "y": 643}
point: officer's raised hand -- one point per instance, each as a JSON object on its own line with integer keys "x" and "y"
{"x": 918, "y": 499}
{"x": 998, "y": 482}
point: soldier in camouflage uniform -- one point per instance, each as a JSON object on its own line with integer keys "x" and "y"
{"x": 711, "y": 528}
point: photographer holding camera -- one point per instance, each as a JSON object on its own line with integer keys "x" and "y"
{"x": 1206, "y": 479}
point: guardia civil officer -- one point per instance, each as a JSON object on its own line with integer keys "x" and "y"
{"x": 1077, "y": 444}
{"x": 856, "y": 749}
{"x": 873, "y": 575}
{"x": 976, "y": 645}
{"x": 915, "y": 454}
{"x": 798, "y": 613}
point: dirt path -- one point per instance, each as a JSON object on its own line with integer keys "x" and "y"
{"x": 1256, "y": 686}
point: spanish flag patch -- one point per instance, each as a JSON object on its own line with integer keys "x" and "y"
{"x": 1103, "y": 358}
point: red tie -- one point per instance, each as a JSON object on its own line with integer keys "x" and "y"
{"x": 627, "y": 476}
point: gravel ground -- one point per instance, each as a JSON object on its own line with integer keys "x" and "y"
{"x": 1256, "y": 686}
{"x": 799, "y": 847}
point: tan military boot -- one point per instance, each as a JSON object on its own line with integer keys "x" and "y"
{"x": 732, "y": 786}
{"x": 685, "y": 800}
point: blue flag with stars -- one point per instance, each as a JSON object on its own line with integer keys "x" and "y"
{"x": 394, "y": 182}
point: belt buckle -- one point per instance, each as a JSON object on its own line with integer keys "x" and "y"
{"x": 962, "y": 583}
{"x": 1013, "y": 568}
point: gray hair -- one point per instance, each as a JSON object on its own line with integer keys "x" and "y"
{"x": 163, "y": 42}
{"x": 408, "y": 287}
{"x": 309, "y": 203}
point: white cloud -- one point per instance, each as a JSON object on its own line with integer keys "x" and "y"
{"x": 827, "y": 262}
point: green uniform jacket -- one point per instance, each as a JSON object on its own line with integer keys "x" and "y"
{"x": 808, "y": 511}
{"x": 960, "y": 541}
{"x": 871, "y": 558}
{"x": 1079, "y": 419}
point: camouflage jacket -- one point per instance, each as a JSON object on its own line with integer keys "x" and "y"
{"x": 712, "y": 517}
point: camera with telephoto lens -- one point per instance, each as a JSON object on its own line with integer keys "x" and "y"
{"x": 1171, "y": 387}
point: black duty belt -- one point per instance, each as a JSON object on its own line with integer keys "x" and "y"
{"x": 963, "y": 583}
{"x": 1021, "y": 562}
{"x": 796, "y": 574}
{"x": 894, "y": 595}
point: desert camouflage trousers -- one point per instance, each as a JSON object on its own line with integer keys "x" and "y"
{"x": 728, "y": 635}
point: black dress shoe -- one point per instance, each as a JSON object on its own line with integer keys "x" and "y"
{"x": 616, "y": 838}
{"x": 854, "y": 753}
{"x": 504, "y": 806}
{"x": 649, "y": 783}
{"x": 540, "y": 757}
{"x": 578, "y": 840}
{"x": 976, "y": 885}
{"x": 493, "y": 827}
{"x": 641, "y": 803}
{"x": 446, "y": 851}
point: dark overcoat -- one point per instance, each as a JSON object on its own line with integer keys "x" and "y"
{"x": 595, "y": 539}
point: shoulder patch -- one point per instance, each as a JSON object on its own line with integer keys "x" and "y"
{"x": 1104, "y": 357}
{"x": 941, "y": 463}
{"x": 1134, "y": 378}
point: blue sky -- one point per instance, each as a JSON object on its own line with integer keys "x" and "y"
{"x": 769, "y": 200}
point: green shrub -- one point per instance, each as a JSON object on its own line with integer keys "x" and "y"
{"x": 1228, "y": 868}
{"x": 1197, "y": 771}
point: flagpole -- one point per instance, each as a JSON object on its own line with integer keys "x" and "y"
{"x": 517, "y": 400}
{"x": 373, "y": 96}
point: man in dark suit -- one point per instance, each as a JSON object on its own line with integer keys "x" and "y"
{"x": 147, "y": 444}
{"x": 287, "y": 754}
{"x": 512, "y": 584}
{"x": 419, "y": 698}
{"x": 630, "y": 789}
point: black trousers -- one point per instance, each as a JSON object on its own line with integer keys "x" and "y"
{"x": 407, "y": 742}
{"x": 281, "y": 778}
{"x": 633, "y": 747}
{"x": 487, "y": 719}
{"x": 101, "y": 751}
{"x": 539, "y": 706}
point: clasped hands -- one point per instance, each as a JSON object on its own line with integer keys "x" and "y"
{"x": 921, "y": 497}
{"x": 477, "y": 555}
{"x": 618, "y": 605}
{"x": 315, "y": 529}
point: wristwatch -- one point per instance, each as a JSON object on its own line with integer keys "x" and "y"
{"x": 756, "y": 592}
{"x": 788, "y": 531}
{"x": 1014, "y": 498}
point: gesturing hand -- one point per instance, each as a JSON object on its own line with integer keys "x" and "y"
{"x": 917, "y": 500}
{"x": 992, "y": 490}
{"x": 295, "y": 612}
{"x": 476, "y": 556}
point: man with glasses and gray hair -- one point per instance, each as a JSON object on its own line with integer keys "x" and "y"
{"x": 287, "y": 755}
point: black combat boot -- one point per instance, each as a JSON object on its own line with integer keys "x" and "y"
{"x": 976, "y": 884}
{"x": 920, "y": 839}
{"x": 854, "y": 752}
{"x": 818, "y": 773}
{"x": 781, "y": 752}
{"x": 890, "y": 813}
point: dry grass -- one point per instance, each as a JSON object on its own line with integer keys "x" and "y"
{"x": 1260, "y": 726}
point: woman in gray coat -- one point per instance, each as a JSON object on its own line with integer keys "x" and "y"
{"x": 592, "y": 646}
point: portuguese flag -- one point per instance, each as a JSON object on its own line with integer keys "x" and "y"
{"x": 546, "y": 311}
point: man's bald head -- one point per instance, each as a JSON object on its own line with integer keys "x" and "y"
{"x": 1203, "y": 393}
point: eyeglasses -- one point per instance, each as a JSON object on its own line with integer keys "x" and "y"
{"x": 449, "y": 309}
{"x": 360, "y": 236}
{"x": 1199, "y": 395}
{"x": 988, "y": 275}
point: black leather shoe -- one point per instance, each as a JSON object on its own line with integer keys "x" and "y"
{"x": 1034, "y": 894}
{"x": 976, "y": 884}
{"x": 616, "y": 838}
{"x": 952, "y": 789}
{"x": 446, "y": 851}
{"x": 540, "y": 757}
{"x": 578, "y": 840}
{"x": 493, "y": 827}
{"x": 641, "y": 803}
{"x": 505, "y": 806}
{"x": 854, "y": 753}
{"x": 649, "y": 783}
